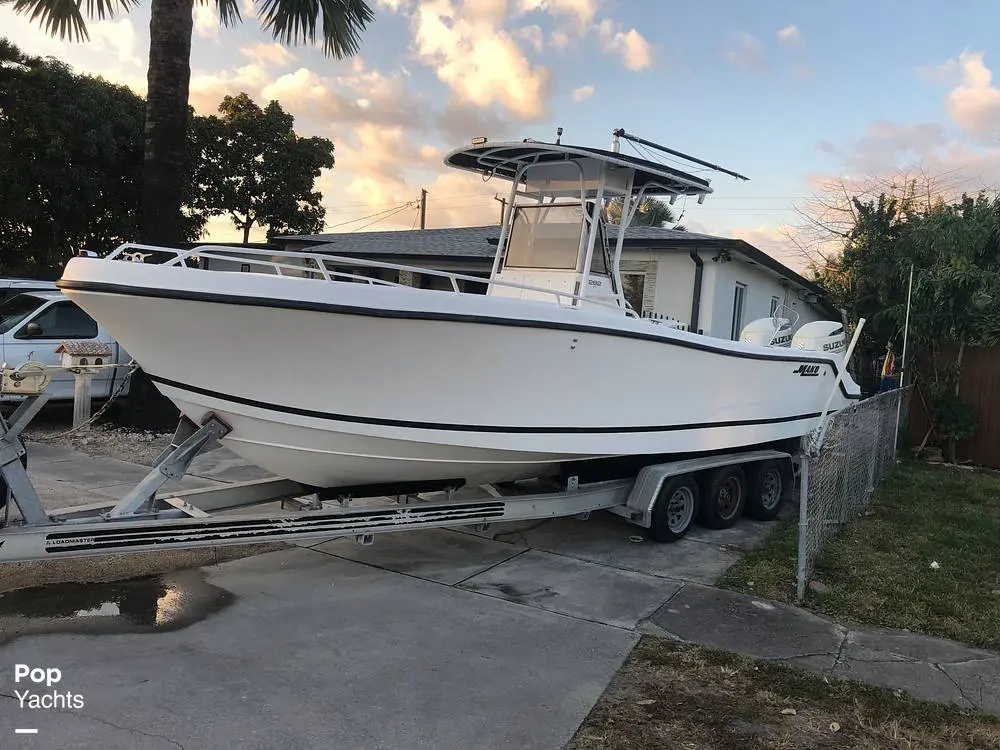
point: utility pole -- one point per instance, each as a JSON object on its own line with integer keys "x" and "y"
{"x": 423, "y": 208}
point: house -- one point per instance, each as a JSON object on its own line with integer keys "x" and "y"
{"x": 712, "y": 285}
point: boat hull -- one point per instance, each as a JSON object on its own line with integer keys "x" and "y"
{"x": 334, "y": 384}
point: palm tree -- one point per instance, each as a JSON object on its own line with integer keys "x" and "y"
{"x": 168, "y": 77}
{"x": 652, "y": 212}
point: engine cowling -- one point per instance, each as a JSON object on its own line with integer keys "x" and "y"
{"x": 826, "y": 336}
{"x": 767, "y": 332}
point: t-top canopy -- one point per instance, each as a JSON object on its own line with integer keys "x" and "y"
{"x": 504, "y": 159}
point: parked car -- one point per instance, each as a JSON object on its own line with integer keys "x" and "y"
{"x": 11, "y": 287}
{"x": 33, "y": 324}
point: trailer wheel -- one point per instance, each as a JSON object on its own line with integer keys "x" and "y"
{"x": 767, "y": 487}
{"x": 675, "y": 509}
{"x": 724, "y": 497}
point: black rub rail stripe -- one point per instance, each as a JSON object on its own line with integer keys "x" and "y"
{"x": 471, "y": 427}
{"x": 328, "y": 307}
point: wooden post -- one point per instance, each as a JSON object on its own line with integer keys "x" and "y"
{"x": 76, "y": 357}
{"x": 81, "y": 398}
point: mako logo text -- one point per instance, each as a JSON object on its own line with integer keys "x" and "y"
{"x": 36, "y": 687}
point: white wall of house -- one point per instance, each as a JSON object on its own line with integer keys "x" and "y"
{"x": 672, "y": 283}
{"x": 760, "y": 290}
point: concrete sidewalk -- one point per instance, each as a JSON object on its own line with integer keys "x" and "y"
{"x": 436, "y": 638}
{"x": 929, "y": 668}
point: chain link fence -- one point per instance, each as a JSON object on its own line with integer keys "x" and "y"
{"x": 837, "y": 482}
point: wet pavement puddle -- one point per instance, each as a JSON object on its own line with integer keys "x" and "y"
{"x": 149, "y": 604}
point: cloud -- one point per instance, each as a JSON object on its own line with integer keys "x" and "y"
{"x": 942, "y": 159}
{"x": 207, "y": 90}
{"x": 533, "y": 35}
{"x": 380, "y": 169}
{"x": 583, "y": 93}
{"x": 479, "y": 61}
{"x": 461, "y": 122}
{"x": 745, "y": 51}
{"x": 206, "y": 22}
{"x": 887, "y": 145}
{"x": 393, "y": 6}
{"x": 581, "y": 13}
{"x": 269, "y": 54}
{"x": 791, "y": 36}
{"x": 974, "y": 104}
{"x": 112, "y": 52}
{"x": 636, "y": 53}
{"x": 360, "y": 96}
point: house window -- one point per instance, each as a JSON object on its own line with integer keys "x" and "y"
{"x": 633, "y": 288}
{"x": 775, "y": 301}
{"x": 739, "y": 301}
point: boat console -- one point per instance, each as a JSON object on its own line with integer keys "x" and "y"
{"x": 554, "y": 233}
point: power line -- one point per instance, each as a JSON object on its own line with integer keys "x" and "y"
{"x": 472, "y": 201}
{"x": 369, "y": 216}
{"x": 387, "y": 216}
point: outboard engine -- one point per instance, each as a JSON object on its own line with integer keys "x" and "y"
{"x": 826, "y": 336}
{"x": 767, "y": 332}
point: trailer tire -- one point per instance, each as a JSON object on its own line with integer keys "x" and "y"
{"x": 768, "y": 483}
{"x": 723, "y": 497}
{"x": 675, "y": 509}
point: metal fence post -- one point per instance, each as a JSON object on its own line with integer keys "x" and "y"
{"x": 803, "y": 572}
{"x": 874, "y": 450}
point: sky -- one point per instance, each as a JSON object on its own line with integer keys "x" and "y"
{"x": 794, "y": 95}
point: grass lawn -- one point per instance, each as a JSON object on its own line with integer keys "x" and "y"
{"x": 669, "y": 695}
{"x": 878, "y": 568}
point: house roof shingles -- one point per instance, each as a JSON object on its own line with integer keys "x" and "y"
{"x": 461, "y": 242}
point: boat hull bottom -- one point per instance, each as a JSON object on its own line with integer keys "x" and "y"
{"x": 326, "y": 458}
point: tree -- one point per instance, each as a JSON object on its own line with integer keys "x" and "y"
{"x": 169, "y": 74}
{"x": 651, "y": 212}
{"x": 252, "y": 167}
{"x": 832, "y": 212}
{"x": 71, "y": 153}
{"x": 954, "y": 249}
{"x": 70, "y": 163}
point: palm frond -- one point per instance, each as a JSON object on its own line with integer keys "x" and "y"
{"x": 101, "y": 9}
{"x": 229, "y": 12}
{"x": 295, "y": 21}
{"x": 64, "y": 18}
{"x": 60, "y": 18}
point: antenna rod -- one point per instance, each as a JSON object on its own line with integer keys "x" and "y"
{"x": 620, "y": 133}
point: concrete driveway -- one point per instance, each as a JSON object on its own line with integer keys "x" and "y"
{"x": 436, "y": 639}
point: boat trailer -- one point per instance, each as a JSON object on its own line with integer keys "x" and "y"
{"x": 662, "y": 498}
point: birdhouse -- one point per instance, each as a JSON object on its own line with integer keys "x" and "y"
{"x": 83, "y": 353}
